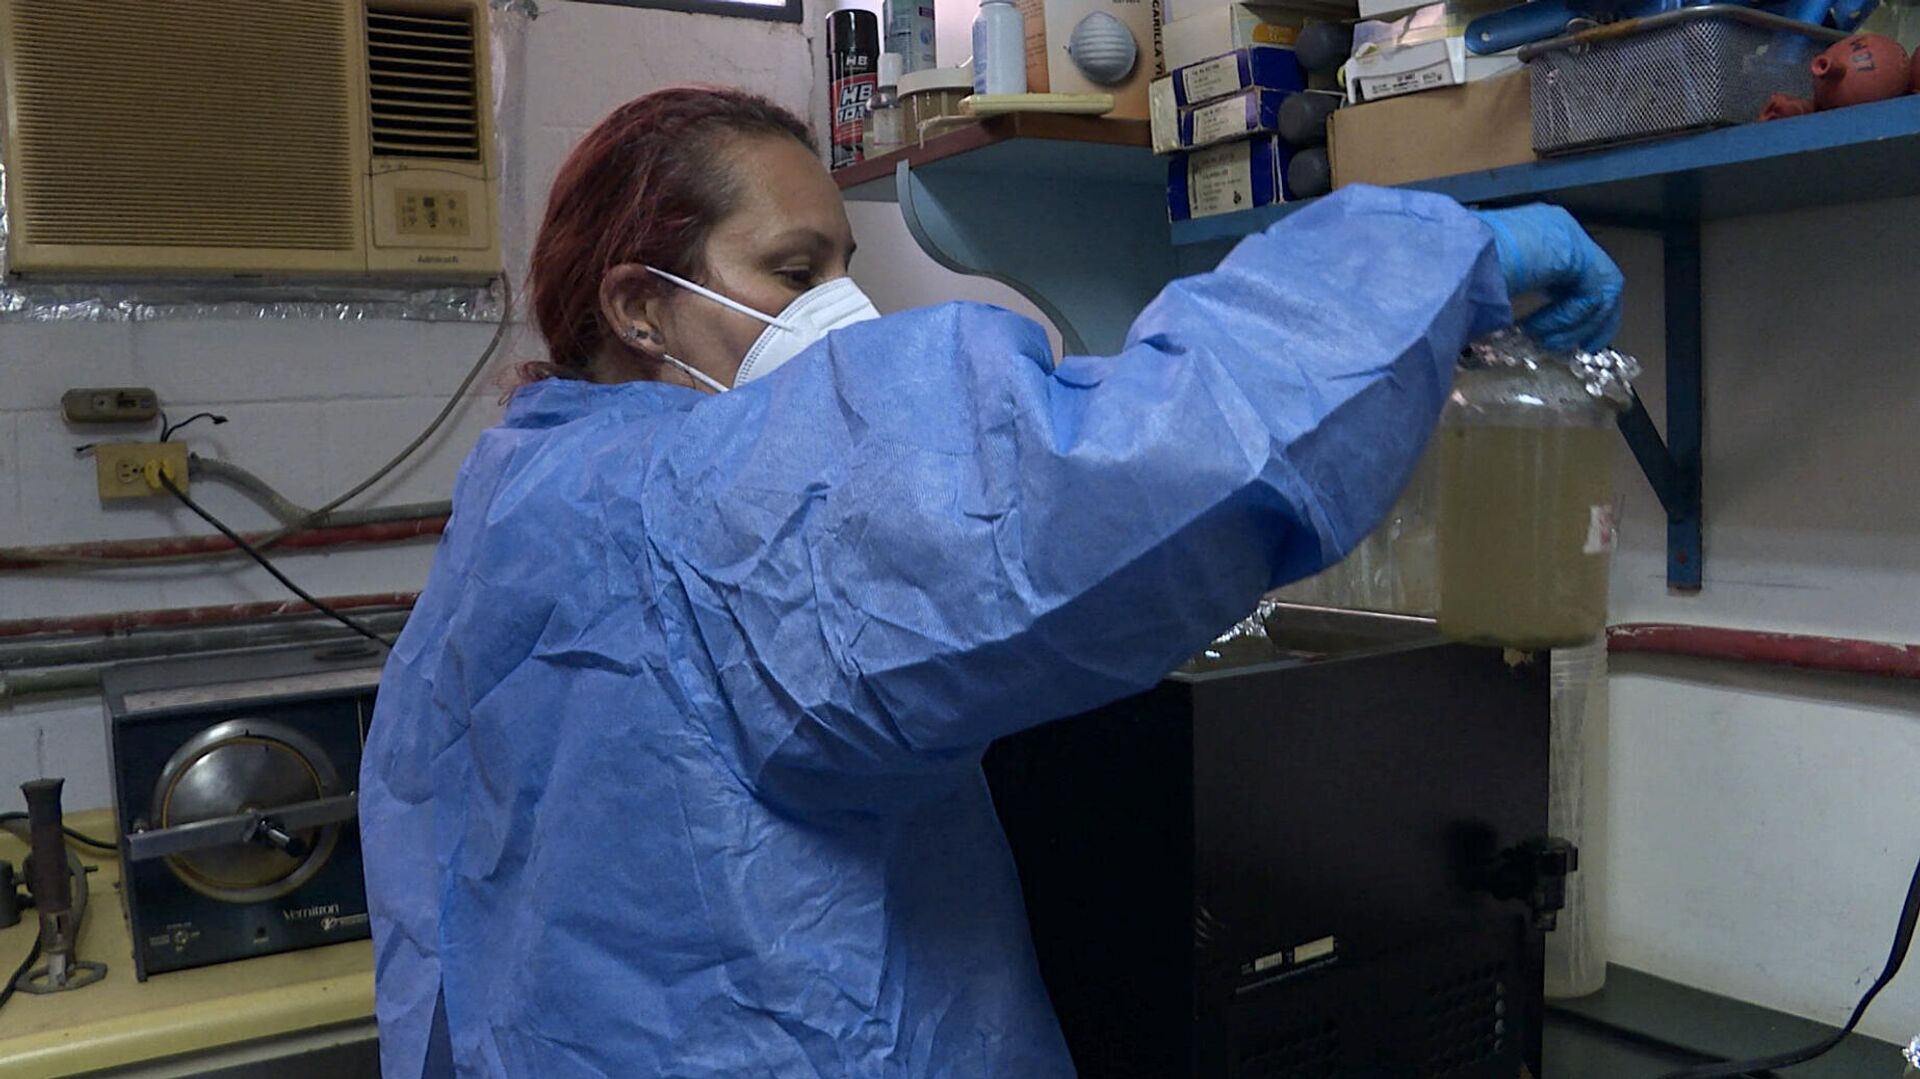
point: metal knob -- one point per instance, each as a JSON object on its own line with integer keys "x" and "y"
{"x": 271, "y": 834}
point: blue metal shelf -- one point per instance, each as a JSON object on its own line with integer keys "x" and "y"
{"x": 1848, "y": 155}
{"x": 1036, "y": 203}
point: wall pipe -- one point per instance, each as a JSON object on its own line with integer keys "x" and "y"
{"x": 133, "y": 551}
{"x": 217, "y": 614}
{"x": 289, "y": 512}
{"x": 42, "y": 655}
{"x": 1809, "y": 652}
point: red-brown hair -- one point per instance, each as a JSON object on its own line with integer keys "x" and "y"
{"x": 646, "y": 185}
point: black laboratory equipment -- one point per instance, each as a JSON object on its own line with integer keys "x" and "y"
{"x": 235, "y": 790}
{"x": 1319, "y": 850}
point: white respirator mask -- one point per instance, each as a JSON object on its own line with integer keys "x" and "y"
{"x": 812, "y": 315}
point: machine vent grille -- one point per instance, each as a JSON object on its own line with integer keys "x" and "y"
{"x": 193, "y": 123}
{"x": 1465, "y": 1020}
{"x": 1304, "y": 1051}
{"x": 423, "y": 83}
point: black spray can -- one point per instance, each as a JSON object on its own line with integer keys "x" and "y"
{"x": 853, "y": 71}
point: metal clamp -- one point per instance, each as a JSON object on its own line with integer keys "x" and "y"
{"x": 274, "y": 826}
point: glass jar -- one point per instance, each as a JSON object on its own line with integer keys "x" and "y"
{"x": 1526, "y": 530}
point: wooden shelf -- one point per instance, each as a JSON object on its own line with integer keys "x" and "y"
{"x": 1016, "y": 146}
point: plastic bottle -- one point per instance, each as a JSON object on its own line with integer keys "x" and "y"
{"x": 889, "y": 124}
{"x": 999, "y": 49}
{"x": 910, "y": 33}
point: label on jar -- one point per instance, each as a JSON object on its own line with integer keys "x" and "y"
{"x": 1600, "y": 531}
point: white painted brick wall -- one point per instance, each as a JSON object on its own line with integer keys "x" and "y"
{"x": 314, "y": 405}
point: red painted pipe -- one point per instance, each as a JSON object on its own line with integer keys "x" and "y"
{"x": 134, "y": 550}
{"x": 217, "y": 614}
{"x": 1843, "y": 655}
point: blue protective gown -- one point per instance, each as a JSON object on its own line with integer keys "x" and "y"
{"x": 676, "y": 768}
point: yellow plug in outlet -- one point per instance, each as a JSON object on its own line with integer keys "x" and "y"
{"x": 133, "y": 469}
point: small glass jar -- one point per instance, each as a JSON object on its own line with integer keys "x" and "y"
{"x": 1526, "y": 532}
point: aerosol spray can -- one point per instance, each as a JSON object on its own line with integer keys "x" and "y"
{"x": 853, "y": 59}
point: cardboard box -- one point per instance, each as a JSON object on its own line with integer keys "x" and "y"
{"x": 1246, "y": 113}
{"x": 1428, "y": 65}
{"x": 1269, "y": 67}
{"x": 1163, "y": 115}
{"x": 1051, "y": 69}
{"x": 1222, "y": 179}
{"x": 1193, "y": 38}
{"x": 1481, "y": 125}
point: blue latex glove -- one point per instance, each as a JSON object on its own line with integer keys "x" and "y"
{"x": 1543, "y": 249}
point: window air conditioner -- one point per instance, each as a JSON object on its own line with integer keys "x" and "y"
{"x": 323, "y": 138}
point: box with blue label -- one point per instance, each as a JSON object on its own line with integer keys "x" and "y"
{"x": 1222, "y": 179}
{"x": 1267, "y": 67}
{"x": 1249, "y": 112}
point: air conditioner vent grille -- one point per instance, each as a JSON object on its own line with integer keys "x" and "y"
{"x": 236, "y": 133}
{"x": 423, "y": 85}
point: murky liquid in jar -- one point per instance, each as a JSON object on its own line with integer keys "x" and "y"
{"x": 1526, "y": 534}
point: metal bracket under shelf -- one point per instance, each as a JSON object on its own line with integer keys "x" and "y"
{"x": 1672, "y": 465}
{"x": 1047, "y": 233}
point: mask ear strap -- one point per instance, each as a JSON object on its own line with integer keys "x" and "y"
{"x": 698, "y": 376}
{"x": 721, "y": 300}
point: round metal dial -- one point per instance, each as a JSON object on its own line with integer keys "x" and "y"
{"x": 237, "y": 766}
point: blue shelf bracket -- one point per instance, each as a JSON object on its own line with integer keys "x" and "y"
{"x": 1672, "y": 465}
{"x": 1040, "y": 239}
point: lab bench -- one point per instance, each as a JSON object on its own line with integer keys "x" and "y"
{"x": 288, "y": 1016}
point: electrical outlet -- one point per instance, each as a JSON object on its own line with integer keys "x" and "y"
{"x": 109, "y": 404}
{"x": 122, "y": 468}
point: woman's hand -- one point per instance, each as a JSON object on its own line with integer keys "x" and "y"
{"x": 1543, "y": 249}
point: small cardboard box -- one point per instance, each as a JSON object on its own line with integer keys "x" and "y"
{"x": 1245, "y": 113}
{"x": 1222, "y": 179}
{"x": 1428, "y": 65}
{"x": 1479, "y": 125}
{"x": 1270, "y": 67}
{"x": 1215, "y": 30}
{"x": 1051, "y": 69}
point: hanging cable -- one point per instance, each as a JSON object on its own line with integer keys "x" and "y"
{"x": 236, "y": 539}
{"x": 1902, "y": 940}
{"x": 446, "y": 410}
{"x": 167, "y": 429}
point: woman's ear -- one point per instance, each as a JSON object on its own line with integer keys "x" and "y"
{"x": 629, "y": 307}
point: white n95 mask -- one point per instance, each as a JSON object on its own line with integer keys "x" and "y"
{"x": 812, "y": 315}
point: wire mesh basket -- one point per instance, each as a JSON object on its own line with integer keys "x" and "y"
{"x": 1680, "y": 71}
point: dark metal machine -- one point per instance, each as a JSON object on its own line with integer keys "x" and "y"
{"x": 1319, "y": 851}
{"x": 235, "y": 791}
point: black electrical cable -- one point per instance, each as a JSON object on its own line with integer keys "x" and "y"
{"x": 1902, "y": 940}
{"x": 167, "y": 429}
{"x": 19, "y": 972}
{"x": 78, "y": 837}
{"x": 251, "y": 552}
